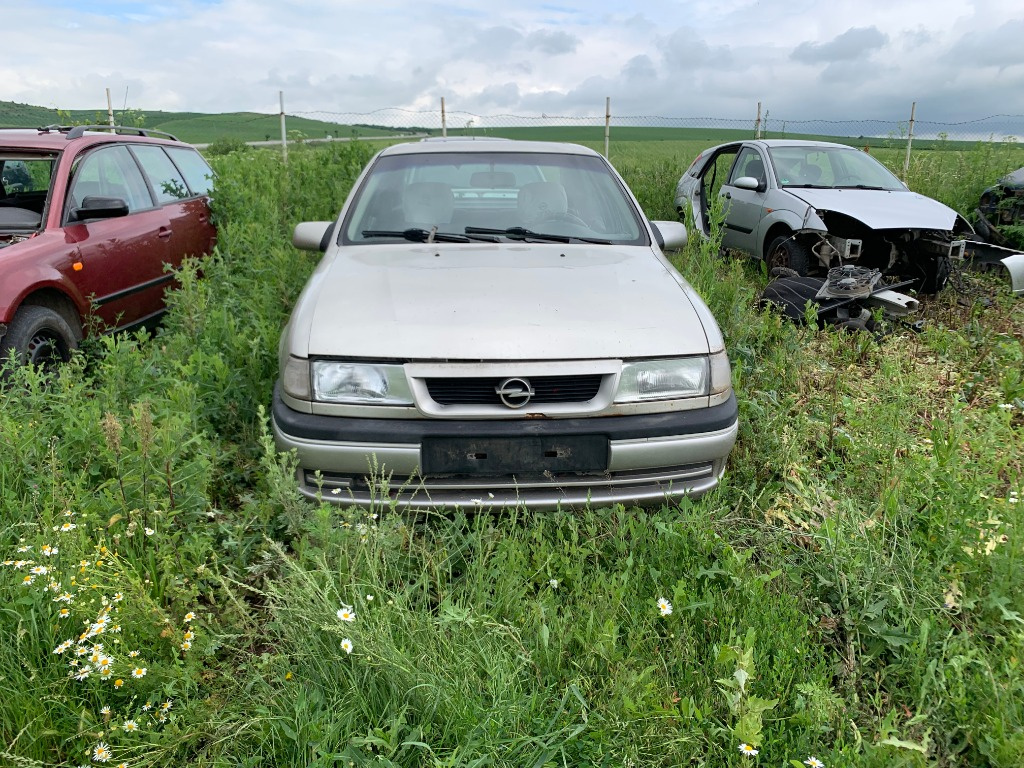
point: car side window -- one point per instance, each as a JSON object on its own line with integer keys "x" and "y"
{"x": 108, "y": 172}
{"x": 193, "y": 167}
{"x": 748, "y": 163}
{"x": 168, "y": 184}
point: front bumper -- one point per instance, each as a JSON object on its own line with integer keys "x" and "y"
{"x": 377, "y": 462}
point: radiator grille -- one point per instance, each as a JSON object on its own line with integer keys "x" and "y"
{"x": 481, "y": 391}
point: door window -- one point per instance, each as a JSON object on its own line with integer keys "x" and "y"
{"x": 109, "y": 172}
{"x": 748, "y": 163}
{"x": 168, "y": 184}
{"x": 194, "y": 168}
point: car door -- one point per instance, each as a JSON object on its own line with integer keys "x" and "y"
{"x": 710, "y": 172}
{"x": 744, "y": 206}
{"x": 187, "y": 209}
{"x": 117, "y": 262}
{"x": 199, "y": 177}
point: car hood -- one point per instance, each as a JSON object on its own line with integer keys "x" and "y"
{"x": 495, "y": 302}
{"x": 881, "y": 209}
{"x": 1014, "y": 179}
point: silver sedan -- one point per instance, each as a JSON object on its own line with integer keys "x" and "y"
{"x": 494, "y": 323}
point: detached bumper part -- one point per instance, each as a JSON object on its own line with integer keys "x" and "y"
{"x": 567, "y": 462}
{"x": 1015, "y": 266}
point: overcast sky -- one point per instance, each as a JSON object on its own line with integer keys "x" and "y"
{"x": 804, "y": 59}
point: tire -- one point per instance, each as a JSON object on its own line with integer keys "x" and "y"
{"x": 40, "y": 336}
{"x": 933, "y": 274}
{"x": 788, "y": 253}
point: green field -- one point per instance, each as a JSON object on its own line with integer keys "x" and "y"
{"x": 853, "y": 591}
{"x": 193, "y": 127}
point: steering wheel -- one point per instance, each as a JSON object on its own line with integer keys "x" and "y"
{"x": 569, "y": 217}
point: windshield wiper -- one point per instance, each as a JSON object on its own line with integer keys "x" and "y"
{"x": 417, "y": 235}
{"x": 862, "y": 186}
{"x": 522, "y": 233}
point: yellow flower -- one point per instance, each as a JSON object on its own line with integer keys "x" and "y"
{"x": 118, "y": 683}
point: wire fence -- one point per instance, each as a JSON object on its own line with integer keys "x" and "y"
{"x": 994, "y": 128}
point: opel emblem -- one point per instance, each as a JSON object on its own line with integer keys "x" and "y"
{"x": 515, "y": 393}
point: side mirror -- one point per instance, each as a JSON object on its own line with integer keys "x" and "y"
{"x": 95, "y": 207}
{"x": 312, "y": 235}
{"x": 748, "y": 182}
{"x": 670, "y": 235}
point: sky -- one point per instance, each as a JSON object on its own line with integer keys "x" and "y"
{"x": 959, "y": 60}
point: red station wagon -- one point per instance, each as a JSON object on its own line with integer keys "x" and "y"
{"x": 89, "y": 221}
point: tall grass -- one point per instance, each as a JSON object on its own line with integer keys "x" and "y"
{"x": 852, "y": 591}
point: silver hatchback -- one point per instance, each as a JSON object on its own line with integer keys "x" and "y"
{"x": 812, "y": 205}
{"x": 493, "y": 323}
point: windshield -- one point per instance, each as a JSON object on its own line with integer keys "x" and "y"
{"x": 830, "y": 167}
{"x": 487, "y": 195}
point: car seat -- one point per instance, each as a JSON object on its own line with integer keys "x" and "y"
{"x": 755, "y": 168}
{"x": 541, "y": 200}
{"x": 428, "y": 204}
{"x": 809, "y": 173}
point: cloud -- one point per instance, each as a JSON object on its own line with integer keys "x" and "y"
{"x": 851, "y": 45}
{"x": 551, "y": 42}
{"x": 806, "y": 59}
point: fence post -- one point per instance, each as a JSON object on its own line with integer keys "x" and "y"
{"x": 284, "y": 132}
{"x": 757, "y": 122}
{"x": 910, "y": 139}
{"x": 607, "y": 123}
{"x": 444, "y": 120}
{"x": 110, "y": 110}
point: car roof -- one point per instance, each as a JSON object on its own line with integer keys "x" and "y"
{"x": 59, "y": 138}
{"x": 491, "y": 144}
{"x": 770, "y": 143}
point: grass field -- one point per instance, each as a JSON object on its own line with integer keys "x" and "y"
{"x": 852, "y": 592}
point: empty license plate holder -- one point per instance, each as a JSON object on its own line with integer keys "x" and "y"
{"x": 492, "y": 456}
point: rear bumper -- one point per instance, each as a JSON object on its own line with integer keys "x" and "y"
{"x": 377, "y": 462}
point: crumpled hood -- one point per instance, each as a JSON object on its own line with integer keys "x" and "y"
{"x": 482, "y": 302}
{"x": 881, "y": 209}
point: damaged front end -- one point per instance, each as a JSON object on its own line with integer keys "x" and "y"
{"x": 922, "y": 255}
{"x": 848, "y": 298}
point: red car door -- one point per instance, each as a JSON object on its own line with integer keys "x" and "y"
{"x": 186, "y": 208}
{"x": 119, "y": 261}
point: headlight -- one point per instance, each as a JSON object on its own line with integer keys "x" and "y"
{"x": 360, "y": 383}
{"x": 663, "y": 379}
